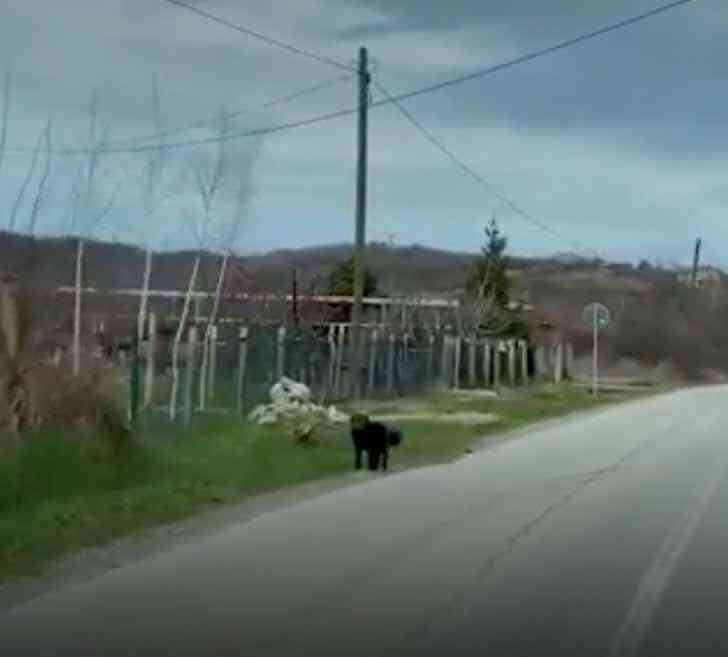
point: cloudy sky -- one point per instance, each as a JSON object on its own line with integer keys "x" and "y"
{"x": 619, "y": 142}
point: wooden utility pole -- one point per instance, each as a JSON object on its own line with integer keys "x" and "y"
{"x": 696, "y": 262}
{"x": 360, "y": 243}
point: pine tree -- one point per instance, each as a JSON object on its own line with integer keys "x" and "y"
{"x": 341, "y": 280}
{"x": 488, "y": 279}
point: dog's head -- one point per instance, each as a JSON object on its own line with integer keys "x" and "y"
{"x": 394, "y": 437}
{"x": 359, "y": 421}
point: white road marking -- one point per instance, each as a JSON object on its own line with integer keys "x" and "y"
{"x": 628, "y": 639}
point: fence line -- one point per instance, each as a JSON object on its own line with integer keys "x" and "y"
{"x": 245, "y": 362}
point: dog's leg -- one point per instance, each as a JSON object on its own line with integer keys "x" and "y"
{"x": 385, "y": 457}
{"x": 373, "y": 459}
{"x": 358, "y": 457}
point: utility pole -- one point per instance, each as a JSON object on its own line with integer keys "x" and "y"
{"x": 360, "y": 243}
{"x": 696, "y": 262}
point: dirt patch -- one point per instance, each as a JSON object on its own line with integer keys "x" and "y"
{"x": 468, "y": 395}
{"x": 471, "y": 419}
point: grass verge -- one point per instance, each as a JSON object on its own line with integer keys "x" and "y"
{"x": 62, "y": 493}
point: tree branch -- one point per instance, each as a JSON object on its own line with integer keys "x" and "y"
{"x": 43, "y": 181}
{"x": 24, "y": 186}
{"x": 5, "y": 114}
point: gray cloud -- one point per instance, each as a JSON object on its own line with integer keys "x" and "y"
{"x": 615, "y": 142}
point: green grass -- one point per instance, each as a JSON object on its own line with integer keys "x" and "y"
{"x": 60, "y": 493}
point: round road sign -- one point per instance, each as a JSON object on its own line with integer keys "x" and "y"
{"x": 598, "y": 311}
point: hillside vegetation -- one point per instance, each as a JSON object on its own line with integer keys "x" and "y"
{"x": 654, "y": 317}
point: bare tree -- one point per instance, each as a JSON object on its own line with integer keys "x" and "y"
{"x": 231, "y": 233}
{"x": 40, "y": 192}
{"x": 211, "y": 179}
{"x": 208, "y": 179}
{"x": 5, "y": 113}
{"x": 20, "y": 196}
{"x": 91, "y": 205}
{"x": 221, "y": 179}
{"x": 153, "y": 197}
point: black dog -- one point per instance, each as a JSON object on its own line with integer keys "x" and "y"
{"x": 374, "y": 438}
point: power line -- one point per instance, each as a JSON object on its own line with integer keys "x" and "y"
{"x": 232, "y": 115}
{"x": 538, "y": 53}
{"x": 612, "y": 27}
{"x": 259, "y": 132}
{"x": 410, "y": 94}
{"x": 261, "y": 37}
{"x": 479, "y": 179}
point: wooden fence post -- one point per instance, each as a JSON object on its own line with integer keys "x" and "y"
{"x": 524, "y": 361}
{"x": 497, "y": 358}
{"x": 339, "y": 358}
{"x": 559, "y": 364}
{"x": 390, "y": 363}
{"x": 373, "y": 349}
{"x": 281, "y": 353}
{"x": 190, "y": 373}
{"x": 569, "y": 358}
{"x": 456, "y": 373}
{"x": 134, "y": 380}
{"x": 151, "y": 355}
{"x": 212, "y": 368}
{"x": 331, "y": 381}
{"x": 445, "y": 361}
{"x": 472, "y": 357}
{"x": 486, "y": 362}
{"x": 430, "y": 358}
{"x": 540, "y": 365}
{"x": 512, "y": 362}
{"x": 242, "y": 361}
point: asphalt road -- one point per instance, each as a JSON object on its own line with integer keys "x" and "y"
{"x": 605, "y": 534}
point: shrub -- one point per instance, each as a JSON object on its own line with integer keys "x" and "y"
{"x": 87, "y": 403}
{"x": 676, "y": 324}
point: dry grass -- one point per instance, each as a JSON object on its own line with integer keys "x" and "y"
{"x": 36, "y": 395}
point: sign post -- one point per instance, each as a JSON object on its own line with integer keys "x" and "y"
{"x": 596, "y": 316}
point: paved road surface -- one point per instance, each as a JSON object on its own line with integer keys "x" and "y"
{"x": 604, "y": 535}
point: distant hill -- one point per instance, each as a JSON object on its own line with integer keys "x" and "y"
{"x": 559, "y": 287}
{"x": 569, "y": 258}
{"x": 49, "y": 262}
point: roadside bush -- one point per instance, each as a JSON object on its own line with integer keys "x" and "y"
{"x": 90, "y": 403}
{"x": 677, "y": 324}
{"x": 35, "y": 395}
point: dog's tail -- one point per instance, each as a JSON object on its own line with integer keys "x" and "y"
{"x": 394, "y": 437}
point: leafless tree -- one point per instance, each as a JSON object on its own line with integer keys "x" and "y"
{"x": 212, "y": 179}
{"x": 20, "y": 196}
{"x": 42, "y": 184}
{"x": 153, "y": 198}
{"x": 5, "y": 113}
{"x": 231, "y": 233}
{"x": 480, "y": 311}
{"x": 92, "y": 203}
{"x": 208, "y": 178}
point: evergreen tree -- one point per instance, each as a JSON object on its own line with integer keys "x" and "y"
{"x": 488, "y": 279}
{"x": 341, "y": 280}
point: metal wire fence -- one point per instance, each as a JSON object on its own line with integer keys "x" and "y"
{"x": 242, "y": 364}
